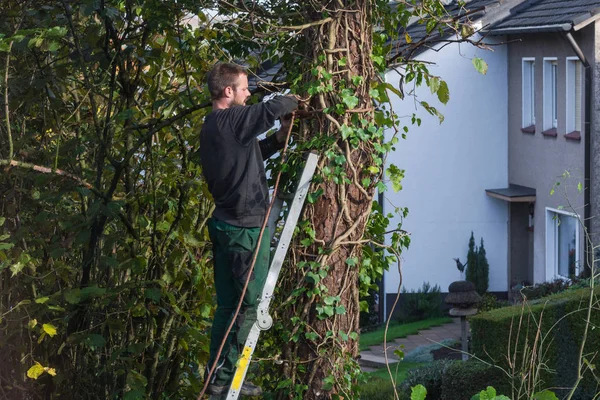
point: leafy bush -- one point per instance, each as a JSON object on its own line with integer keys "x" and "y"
{"x": 545, "y": 289}
{"x": 423, "y": 304}
{"x": 462, "y": 379}
{"x": 429, "y": 376}
{"x": 491, "y": 302}
{"x": 562, "y": 321}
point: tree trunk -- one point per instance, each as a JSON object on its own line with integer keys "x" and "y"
{"x": 323, "y": 348}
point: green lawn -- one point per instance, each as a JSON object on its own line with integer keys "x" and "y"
{"x": 379, "y": 386}
{"x": 399, "y": 371}
{"x": 398, "y": 330}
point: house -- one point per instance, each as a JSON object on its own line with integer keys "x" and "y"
{"x": 509, "y": 139}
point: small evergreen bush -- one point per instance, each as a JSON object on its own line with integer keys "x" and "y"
{"x": 477, "y": 267}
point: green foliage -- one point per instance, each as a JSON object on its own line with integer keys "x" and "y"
{"x": 490, "y": 302}
{"x": 429, "y": 375}
{"x": 105, "y": 285}
{"x": 462, "y": 379}
{"x": 399, "y": 330}
{"x": 483, "y": 269}
{"x": 480, "y": 65}
{"x": 376, "y": 388}
{"x": 544, "y": 289}
{"x": 558, "y": 322}
{"x": 477, "y": 267}
{"x": 489, "y": 394}
{"x": 424, "y": 303}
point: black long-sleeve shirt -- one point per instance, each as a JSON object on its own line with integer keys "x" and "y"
{"x": 232, "y": 158}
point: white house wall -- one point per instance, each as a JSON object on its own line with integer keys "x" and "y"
{"x": 449, "y": 166}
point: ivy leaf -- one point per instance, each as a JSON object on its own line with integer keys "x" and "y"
{"x": 418, "y": 392}
{"x": 407, "y": 38}
{"x": 480, "y": 65}
{"x": 346, "y": 131}
{"x": 350, "y": 101}
{"x": 395, "y": 175}
{"x": 341, "y": 310}
{"x": 352, "y": 261}
{"x": 35, "y": 371}
{"x": 49, "y": 329}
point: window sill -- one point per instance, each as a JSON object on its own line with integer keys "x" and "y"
{"x": 528, "y": 129}
{"x": 575, "y": 136}
{"x": 550, "y": 132}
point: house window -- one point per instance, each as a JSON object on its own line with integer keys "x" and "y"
{"x": 550, "y": 93}
{"x": 562, "y": 244}
{"x": 528, "y": 92}
{"x": 573, "y": 95}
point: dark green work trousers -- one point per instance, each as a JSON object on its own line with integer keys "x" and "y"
{"x": 233, "y": 251}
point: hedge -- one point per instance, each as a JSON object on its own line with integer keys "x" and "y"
{"x": 562, "y": 318}
{"x": 462, "y": 380}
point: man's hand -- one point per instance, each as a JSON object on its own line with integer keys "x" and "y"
{"x": 286, "y": 122}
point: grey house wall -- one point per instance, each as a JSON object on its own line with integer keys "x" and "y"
{"x": 595, "y": 142}
{"x": 536, "y": 160}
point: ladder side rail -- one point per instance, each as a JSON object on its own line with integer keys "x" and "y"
{"x": 288, "y": 230}
{"x": 284, "y": 242}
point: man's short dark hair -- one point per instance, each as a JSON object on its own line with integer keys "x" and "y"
{"x": 221, "y": 76}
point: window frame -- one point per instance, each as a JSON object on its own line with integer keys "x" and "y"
{"x": 528, "y": 116}
{"x": 550, "y": 94}
{"x": 572, "y": 120}
{"x": 552, "y": 268}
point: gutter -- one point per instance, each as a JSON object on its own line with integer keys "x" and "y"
{"x": 587, "y": 208}
{"x": 566, "y": 27}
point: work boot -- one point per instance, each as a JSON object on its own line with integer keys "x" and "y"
{"x": 214, "y": 389}
{"x": 250, "y": 389}
{"x": 247, "y": 389}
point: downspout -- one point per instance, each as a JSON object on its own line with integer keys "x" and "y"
{"x": 587, "y": 198}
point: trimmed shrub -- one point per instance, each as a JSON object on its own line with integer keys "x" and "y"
{"x": 512, "y": 332}
{"x": 462, "y": 380}
{"x": 429, "y": 376}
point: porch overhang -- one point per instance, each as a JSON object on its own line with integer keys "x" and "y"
{"x": 513, "y": 194}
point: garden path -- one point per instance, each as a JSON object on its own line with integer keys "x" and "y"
{"x": 374, "y": 358}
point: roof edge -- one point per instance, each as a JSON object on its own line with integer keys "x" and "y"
{"x": 565, "y": 27}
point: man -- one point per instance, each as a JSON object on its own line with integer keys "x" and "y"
{"x": 232, "y": 163}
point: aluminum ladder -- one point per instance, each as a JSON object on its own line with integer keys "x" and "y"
{"x": 264, "y": 320}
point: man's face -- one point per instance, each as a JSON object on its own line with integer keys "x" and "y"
{"x": 240, "y": 91}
